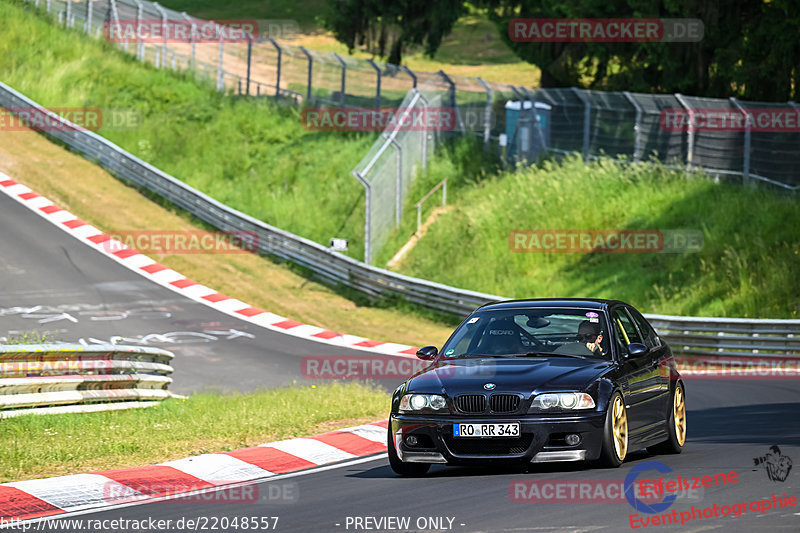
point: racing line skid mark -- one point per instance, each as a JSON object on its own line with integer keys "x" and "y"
{"x": 37, "y": 498}
{"x": 168, "y": 278}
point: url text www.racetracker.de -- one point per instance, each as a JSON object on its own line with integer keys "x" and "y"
{"x": 199, "y": 523}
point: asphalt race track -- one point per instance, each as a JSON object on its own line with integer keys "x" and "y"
{"x": 50, "y": 281}
{"x": 730, "y": 424}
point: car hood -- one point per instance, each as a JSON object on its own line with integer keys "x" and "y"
{"x": 518, "y": 374}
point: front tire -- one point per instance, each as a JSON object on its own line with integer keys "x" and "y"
{"x": 676, "y": 425}
{"x": 399, "y": 467}
{"x": 615, "y": 433}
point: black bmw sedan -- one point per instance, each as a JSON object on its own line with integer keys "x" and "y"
{"x": 537, "y": 381}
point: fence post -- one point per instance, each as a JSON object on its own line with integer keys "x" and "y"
{"x": 377, "y": 83}
{"x": 278, "y": 76}
{"x": 249, "y": 61}
{"x": 220, "y": 71}
{"x": 69, "y": 14}
{"x": 587, "y": 117}
{"x": 425, "y": 105}
{"x": 637, "y": 127}
{"x": 139, "y": 42}
{"x": 310, "y": 71}
{"x": 343, "y": 87}
{"x": 398, "y": 208}
{"x": 193, "y": 31}
{"x": 88, "y": 26}
{"x": 453, "y": 102}
{"x": 164, "y": 30}
{"x": 747, "y": 140}
{"x": 410, "y": 73}
{"x": 487, "y": 117}
{"x": 367, "y": 217}
{"x": 690, "y": 136}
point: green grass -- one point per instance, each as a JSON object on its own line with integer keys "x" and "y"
{"x": 748, "y": 267}
{"x": 253, "y": 155}
{"x": 47, "y": 445}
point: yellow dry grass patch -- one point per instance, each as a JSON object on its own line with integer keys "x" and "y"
{"x": 98, "y": 198}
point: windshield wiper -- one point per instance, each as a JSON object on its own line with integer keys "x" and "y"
{"x": 477, "y": 355}
{"x": 547, "y": 354}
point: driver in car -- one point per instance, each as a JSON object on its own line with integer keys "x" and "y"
{"x": 590, "y": 338}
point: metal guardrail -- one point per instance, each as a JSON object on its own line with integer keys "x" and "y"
{"x": 333, "y": 267}
{"x": 54, "y": 378}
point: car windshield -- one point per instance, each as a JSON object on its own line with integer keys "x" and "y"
{"x": 531, "y": 332}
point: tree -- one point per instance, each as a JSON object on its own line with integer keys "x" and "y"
{"x": 750, "y": 48}
{"x": 391, "y": 25}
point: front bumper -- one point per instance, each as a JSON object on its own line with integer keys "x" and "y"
{"x": 541, "y": 439}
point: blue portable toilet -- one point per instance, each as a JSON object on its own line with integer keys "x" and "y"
{"x": 515, "y": 137}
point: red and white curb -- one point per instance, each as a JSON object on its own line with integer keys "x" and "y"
{"x": 37, "y": 498}
{"x": 166, "y": 277}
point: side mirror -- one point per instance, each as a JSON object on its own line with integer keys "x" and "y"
{"x": 427, "y": 352}
{"x": 637, "y": 349}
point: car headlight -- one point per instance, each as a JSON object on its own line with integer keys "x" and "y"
{"x": 562, "y": 400}
{"x": 419, "y": 402}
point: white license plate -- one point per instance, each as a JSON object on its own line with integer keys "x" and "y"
{"x": 486, "y": 430}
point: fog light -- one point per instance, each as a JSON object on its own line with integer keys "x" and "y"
{"x": 572, "y": 439}
{"x": 411, "y": 440}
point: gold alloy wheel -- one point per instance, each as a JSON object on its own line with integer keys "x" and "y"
{"x": 620, "y": 422}
{"x": 679, "y": 414}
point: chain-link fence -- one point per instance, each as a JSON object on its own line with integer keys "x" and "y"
{"x": 723, "y": 137}
{"x": 518, "y": 123}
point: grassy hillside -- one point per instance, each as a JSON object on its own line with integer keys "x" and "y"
{"x": 749, "y": 265}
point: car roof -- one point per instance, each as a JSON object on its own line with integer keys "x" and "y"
{"x": 528, "y": 303}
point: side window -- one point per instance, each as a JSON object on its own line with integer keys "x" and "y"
{"x": 626, "y": 332}
{"x": 651, "y": 340}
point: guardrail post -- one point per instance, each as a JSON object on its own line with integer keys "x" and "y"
{"x": 193, "y": 33}
{"x": 310, "y": 72}
{"x": 377, "y": 83}
{"x": 690, "y": 133}
{"x": 410, "y": 73}
{"x": 587, "y": 117}
{"x": 163, "y": 30}
{"x": 343, "y": 87}
{"x": 637, "y": 127}
{"x": 487, "y": 127}
{"x": 367, "y": 216}
{"x": 278, "y": 76}
{"x": 747, "y": 138}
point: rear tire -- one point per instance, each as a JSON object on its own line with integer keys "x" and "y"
{"x": 615, "y": 433}
{"x": 676, "y": 425}
{"x": 399, "y": 467}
